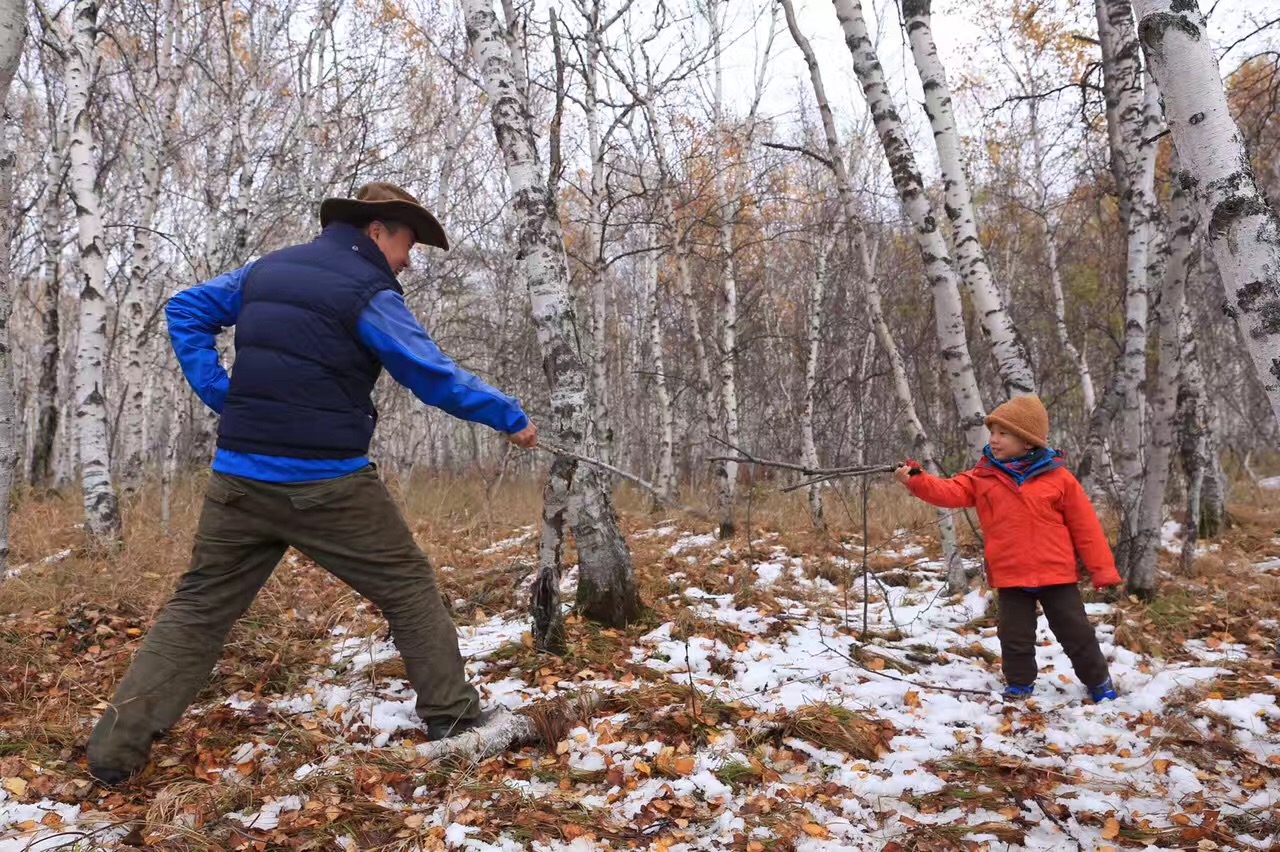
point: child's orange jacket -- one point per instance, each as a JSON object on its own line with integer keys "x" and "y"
{"x": 1032, "y": 533}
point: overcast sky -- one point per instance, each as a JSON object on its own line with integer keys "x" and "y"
{"x": 956, "y": 29}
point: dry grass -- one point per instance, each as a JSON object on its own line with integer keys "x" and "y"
{"x": 831, "y": 726}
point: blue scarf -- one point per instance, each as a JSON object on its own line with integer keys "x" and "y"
{"x": 1038, "y": 461}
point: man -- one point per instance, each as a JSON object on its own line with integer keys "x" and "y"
{"x": 315, "y": 325}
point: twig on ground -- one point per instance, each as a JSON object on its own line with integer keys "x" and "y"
{"x": 918, "y": 684}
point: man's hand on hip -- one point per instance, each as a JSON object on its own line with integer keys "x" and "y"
{"x": 526, "y": 438}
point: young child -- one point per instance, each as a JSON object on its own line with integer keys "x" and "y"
{"x": 1036, "y": 520}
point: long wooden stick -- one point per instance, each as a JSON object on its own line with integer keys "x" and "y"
{"x": 630, "y": 477}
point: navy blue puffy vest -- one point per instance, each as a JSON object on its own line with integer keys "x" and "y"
{"x": 302, "y": 381}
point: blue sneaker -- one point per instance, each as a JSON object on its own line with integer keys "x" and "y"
{"x": 1104, "y": 691}
{"x": 1017, "y": 691}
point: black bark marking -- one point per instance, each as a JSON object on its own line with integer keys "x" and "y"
{"x": 1153, "y": 27}
{"x": 1233, "y": 209}
{"x": 1263, "y": 299}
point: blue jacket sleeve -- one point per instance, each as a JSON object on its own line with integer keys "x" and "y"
{"x": 195, "y": 317}
{"x": 390, "y": 329}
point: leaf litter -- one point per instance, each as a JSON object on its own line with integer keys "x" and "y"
{"x": 748, "y": 710}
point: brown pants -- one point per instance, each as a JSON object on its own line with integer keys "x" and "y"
{"x": 352, "y": 528}
{"x": 1064, "y": 609}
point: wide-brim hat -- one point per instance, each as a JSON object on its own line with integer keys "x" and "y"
{"x": 385, "y": 202}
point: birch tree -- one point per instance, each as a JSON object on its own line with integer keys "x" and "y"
{"x": 606, "y": 585}
{"x": 948, "y": 311}
{"x": 1013, "y": 363}
{"x": 666, "y": 478}
{"x": 49, "y": 298}
{"x": 1243, "y": 232}
{"x": 157, "y": 89}
{"x": 13, "y": 31}
{"x": 813, "y": 339}
{"x": 102, "y": 514}
{"x": 725, "y": 188}
{"x": 1044, "y": 215}
{"x": 1129, "y": 111}
{"x": 1141, "y": 572}
{"x": 597, "y": 26}
{"x": 855, "y": 232}
{"x": 676, "y": 227}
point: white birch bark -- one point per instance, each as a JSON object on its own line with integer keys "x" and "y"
{"x": 1074, "y": 355}
{"x": 921, "y": 446}
{"x": 1142, "y": 557}
{"x": 102, "y": 514}
{"x": 948, "y": 312}
{"x": 1129, "y": 448}
{"x": 179, "y": 403}
{"x": 808, "y": 446}
{"x": 706, "y": 400}
{"x": 666, "y": 478}
{"x": 727, "y": 472}
{"x": 1013, "y": 363}
{"x": 13, "y": 31}
{"x": 1243, "y": 232}
{"x": 1131, "y": 161}
{"x": 606, "y": 586}
{"x": 595, "y": 267}
{"x": 131, "y": 442}
{"x": 50, "y": 302}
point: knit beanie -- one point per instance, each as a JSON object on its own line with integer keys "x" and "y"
{"x": 1024, "y": 416}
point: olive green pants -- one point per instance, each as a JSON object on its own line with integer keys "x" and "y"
{"x": 352, "y": 528}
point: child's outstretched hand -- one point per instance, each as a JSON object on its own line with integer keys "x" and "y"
{"x": 905, "y": 471}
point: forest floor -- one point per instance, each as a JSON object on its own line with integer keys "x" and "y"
{"x": 773, "y": 697}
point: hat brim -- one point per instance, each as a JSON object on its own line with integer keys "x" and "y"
{"x": 426, "y": 228}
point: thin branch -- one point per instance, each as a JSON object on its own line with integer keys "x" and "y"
{"x": 1247, "y": 36}
{"x": 1148, "y": 140}
{"x": 631, "y": 477}
{"x": 800, "y": 149}
{"x": 556, "y": 163}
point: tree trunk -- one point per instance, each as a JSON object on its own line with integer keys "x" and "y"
{"x": 46, "y": 397}
{"x": 948, "y": 311}
{"x": 727, "y": 472}
{"x": 657, "y": 359}
{"x": 1074, "y": 355}
{"x": 1129, "y": 447}
{"x": 606, "y": 587}
{"x": 548, "y": 617}
{"x": 131, "y": 443}
{"x": 1142, "y": 558}
{"x": 1122, "y": 86}
{"x": 921, "y": 446}
{"x": 1198, "y": 448}
{"x": 808, "y": 447}
{"x": 1243, "y": 231}
{"x": 1013, "y": 362}
{"x": 178, "y": 406}
{"x": 13, "y": 32}
{"x": 102, "y": 513}
{"x": 595, "y": 265}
